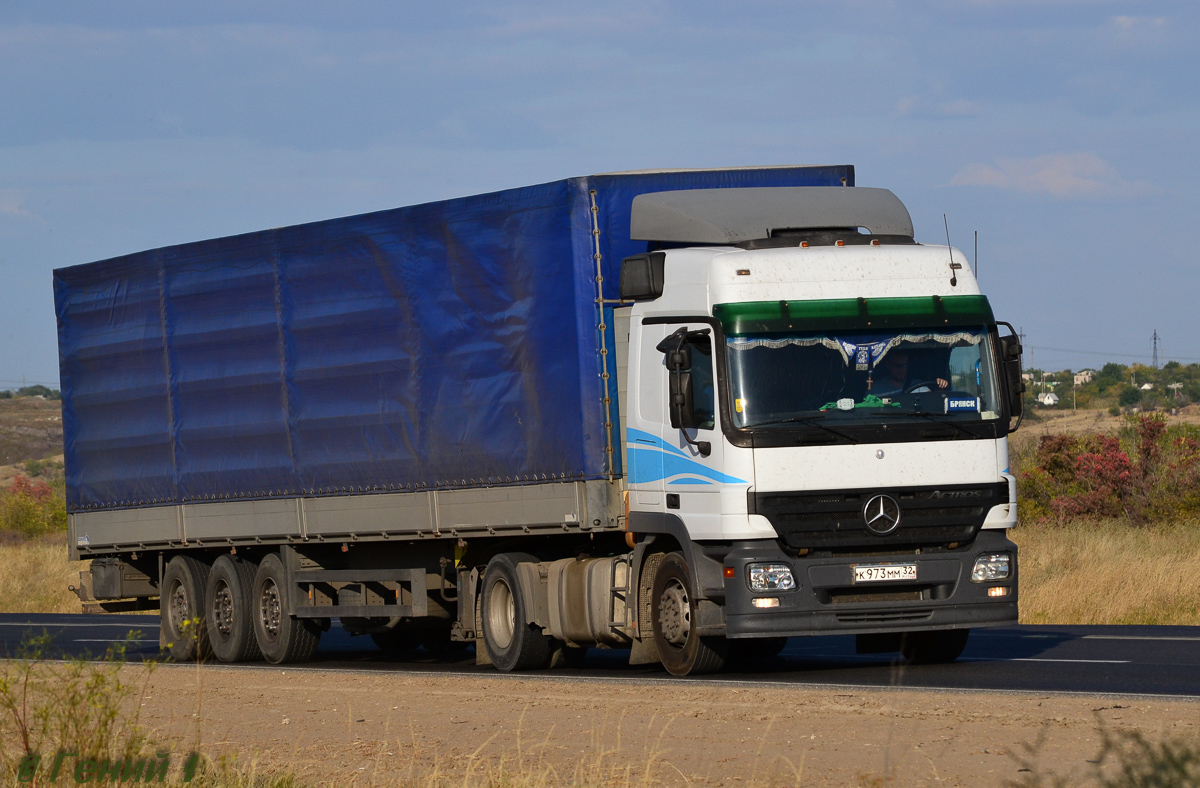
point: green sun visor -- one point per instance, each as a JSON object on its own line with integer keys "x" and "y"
{"x": 772, "y": 317}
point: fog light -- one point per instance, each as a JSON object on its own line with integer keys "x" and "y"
{"x": 995, "y": 566}
{"x": 770, "y": 577}
{"x": 998, "y": 591}
{"x": 765, "y": 601}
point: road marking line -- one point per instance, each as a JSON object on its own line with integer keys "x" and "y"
{"x": 28, "y": 624}
{"x": 1080, "y": 637}
{"x": 1043, "y": 659}
{"x": 1134, "y": 637}
{"x": 877, "y": 657}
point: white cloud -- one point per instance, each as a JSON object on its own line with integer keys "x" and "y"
{"x": 1131, "y": 22}
{"x": 1059, "y": 174}
{"x": 11, "y": 204}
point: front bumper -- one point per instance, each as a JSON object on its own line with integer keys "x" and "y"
{"x": 827, "y": 601}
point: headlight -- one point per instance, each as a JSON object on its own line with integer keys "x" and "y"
{"x": 997, "y": 566}
{"x": 771, "y": 577}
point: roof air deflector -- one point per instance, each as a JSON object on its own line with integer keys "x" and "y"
{"x": 737, "y": 215}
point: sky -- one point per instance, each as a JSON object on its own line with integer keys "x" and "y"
{"x": 1065, "y": 132}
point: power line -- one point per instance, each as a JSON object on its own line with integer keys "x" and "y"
{"x": 23, "y": 382}
{"x": 1105, "y": 353}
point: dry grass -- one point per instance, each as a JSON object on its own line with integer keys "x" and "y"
{"x": 1109, "y": 573}
{"x": 36, "y": 575}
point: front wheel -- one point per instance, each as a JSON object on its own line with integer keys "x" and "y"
{"x": 673, "y": 609}
{"x": 933, "y": 648}
{"x": 281, "y": 637}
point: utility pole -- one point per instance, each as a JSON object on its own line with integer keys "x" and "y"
{"x": 1176, "y": 387}
{"x": 1154, "y": 354}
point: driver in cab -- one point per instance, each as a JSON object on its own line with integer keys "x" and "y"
{"x": 894, "y": 378}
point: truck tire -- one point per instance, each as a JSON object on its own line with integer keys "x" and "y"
{"x": 281, "y": 637}
{"x": 932, "y": 648}
{"x": 511, "y": 643}
{"x": 682, "y": 650}
{"x": 229, "y": 610}
{"x": 184, "y": 626}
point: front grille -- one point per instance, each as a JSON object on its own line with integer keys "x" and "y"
{"x": 883, "y": 617}
{"x": 857, "y": 598}
{"x": 834, "y": 519}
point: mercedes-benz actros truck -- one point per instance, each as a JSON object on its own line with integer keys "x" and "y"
{"x": 689, "y": 414}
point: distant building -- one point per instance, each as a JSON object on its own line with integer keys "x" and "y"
{"x": 1147, "y": 386}
{"x": 1048, "y": 398}
{"x": 1084, "y": 376}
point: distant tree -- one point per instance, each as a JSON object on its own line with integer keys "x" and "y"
{"x": 1110, "y": 375}
{"x": 39, "y": 391}
{"x": 1129, "y": 396}
{"x": 6, "y": 394}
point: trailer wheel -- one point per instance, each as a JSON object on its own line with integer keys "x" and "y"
{"x": 280, "y": 636}
{"x": 184, "y": 626}
{"x": 932, "y": 648}
{"x": 511, "y": 643}
{"x": 682, "y": 650}
{"x": 229, "y": 610}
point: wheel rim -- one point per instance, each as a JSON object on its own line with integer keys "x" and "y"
{"x": 675, "y": 613}
{"x": 223, "y": 609}
{"x": 270, "y": 611}
{"x": 178, "y": 608}
{"x": 501, "y": 614}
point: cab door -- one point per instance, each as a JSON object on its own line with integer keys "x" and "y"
{"x": 694, "y": 474}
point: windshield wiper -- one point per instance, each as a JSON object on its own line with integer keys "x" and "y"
{"x": 932, "y": 418}
{"x": 810, "y": 421}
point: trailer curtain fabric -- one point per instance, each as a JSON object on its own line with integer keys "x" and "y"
{"x": 447, "y": 345}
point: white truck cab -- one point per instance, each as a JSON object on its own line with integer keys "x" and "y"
{"x": 817, "y": 415}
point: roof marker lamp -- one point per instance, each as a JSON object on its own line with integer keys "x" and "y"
{"x": 770, "y": 577}
{"x": 991, "y": 567}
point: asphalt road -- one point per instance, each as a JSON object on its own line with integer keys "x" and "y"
{"x": 1110, "y": 660}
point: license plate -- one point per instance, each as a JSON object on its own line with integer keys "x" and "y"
{"x": 879, "y": 573}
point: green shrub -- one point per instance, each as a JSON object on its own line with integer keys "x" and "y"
{"x": 32, "y": 508}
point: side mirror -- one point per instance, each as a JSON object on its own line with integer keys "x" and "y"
{"x": 683, "y": 402}
{"x": 1010, "y": 365}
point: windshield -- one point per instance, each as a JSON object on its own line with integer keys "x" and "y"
{"x": 862, "y": 374}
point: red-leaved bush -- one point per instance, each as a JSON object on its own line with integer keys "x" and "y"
{"x": 31, "y": 508}
{"x": 1147, "y": 471}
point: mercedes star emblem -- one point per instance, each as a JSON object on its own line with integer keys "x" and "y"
{"x": 882, "y": 514}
